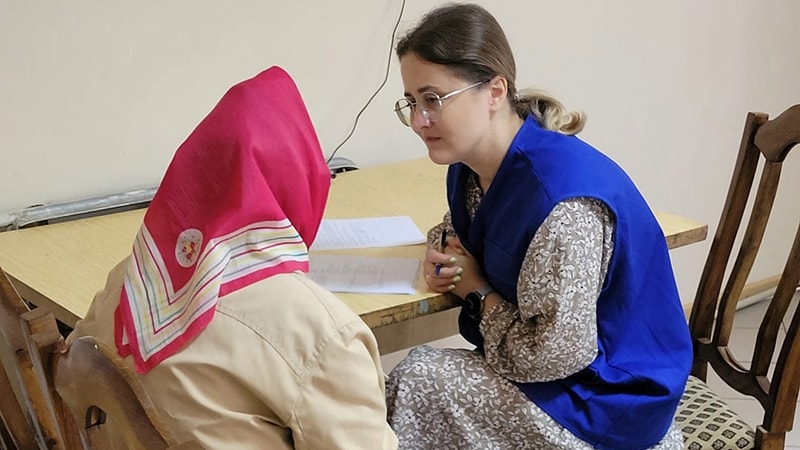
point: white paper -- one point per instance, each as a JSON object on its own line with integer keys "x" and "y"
{"x": 360, "y": 274}
{"x": 336, "y": 234}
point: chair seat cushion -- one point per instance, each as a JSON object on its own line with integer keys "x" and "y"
{"x": 707, "y": 422}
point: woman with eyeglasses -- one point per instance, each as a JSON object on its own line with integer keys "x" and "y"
{"x": 567, "y": 286}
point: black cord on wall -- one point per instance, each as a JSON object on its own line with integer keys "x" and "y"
{"x": 383, "y": 83}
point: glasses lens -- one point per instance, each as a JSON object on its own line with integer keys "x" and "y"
{"x": 433, "y": 105}
{"x": 403, "y": 109}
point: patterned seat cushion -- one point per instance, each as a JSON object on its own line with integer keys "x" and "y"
{"x": 708, "y": 422}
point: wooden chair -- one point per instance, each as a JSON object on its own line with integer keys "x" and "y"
{"x": 15, "y": 432}
{"x": 29, "y": 414}
{"x": 706, "y": 420}
{"x": 67, "y": 394}
{"x": 6, "y": 442}
{"x": 97, "y": 387}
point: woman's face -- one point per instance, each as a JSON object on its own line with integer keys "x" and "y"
{"x": 462, "y": 124}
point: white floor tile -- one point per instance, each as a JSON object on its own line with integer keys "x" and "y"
{"x": 790, "y": 312}
{"x": 750, "y": 316}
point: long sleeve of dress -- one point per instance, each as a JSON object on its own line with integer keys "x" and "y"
{"x": 552, "y": 333}
{"x": 435, "y": 233}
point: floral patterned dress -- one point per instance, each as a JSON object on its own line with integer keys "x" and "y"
{"x": 462, "y": 399}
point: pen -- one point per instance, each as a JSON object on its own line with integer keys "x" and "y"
{"x": 442, "y": 245}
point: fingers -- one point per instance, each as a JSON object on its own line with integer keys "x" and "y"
{"x": 435, "y": 259}
{"x": 442, "y": 270}
{"x": 442, "y": 278}
{"x": 448, "y": 271}
{"x": 439, "y": 284}
{"x": 442, "y": 267}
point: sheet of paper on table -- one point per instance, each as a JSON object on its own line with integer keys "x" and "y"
{"x": 360, "y": 274}
{"x": 337, "y": 234}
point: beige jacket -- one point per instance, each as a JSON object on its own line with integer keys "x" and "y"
{"x": 283, "y": 365}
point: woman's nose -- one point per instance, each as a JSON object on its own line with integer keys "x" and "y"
{"x": 419, "y": 119}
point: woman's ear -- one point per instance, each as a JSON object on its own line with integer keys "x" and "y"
{"x": 498, "y": 89}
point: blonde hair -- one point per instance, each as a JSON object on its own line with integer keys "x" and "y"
{"x": 549, "y": 112}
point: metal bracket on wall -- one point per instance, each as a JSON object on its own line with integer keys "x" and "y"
{"x": 78, "y": 209}
{"x": 97, "y": 206}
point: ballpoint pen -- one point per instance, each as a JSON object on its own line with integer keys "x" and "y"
{"x": 442, "y": 245}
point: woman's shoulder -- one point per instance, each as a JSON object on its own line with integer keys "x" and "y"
{"x": 290, "y": 317}
{"x": 288, "y": 302}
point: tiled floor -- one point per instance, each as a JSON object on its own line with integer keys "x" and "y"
{"x": 742, "y": 340}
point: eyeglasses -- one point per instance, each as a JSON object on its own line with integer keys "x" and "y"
{"x": 430, "y": 107}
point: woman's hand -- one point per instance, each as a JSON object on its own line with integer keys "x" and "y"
{"x": 458, "y": 272}
{"x": 441, "y": 273}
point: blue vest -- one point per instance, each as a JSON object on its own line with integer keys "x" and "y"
{"x": 627, "y": 397}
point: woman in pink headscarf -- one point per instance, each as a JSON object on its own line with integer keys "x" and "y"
{"x": 234, "y": 343}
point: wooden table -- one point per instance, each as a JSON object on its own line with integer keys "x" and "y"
{"x": 63, "y": 265}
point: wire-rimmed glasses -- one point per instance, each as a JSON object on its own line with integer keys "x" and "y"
{"x": 431, "y": 106}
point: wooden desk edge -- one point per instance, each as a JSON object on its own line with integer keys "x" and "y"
{"x": 410, "y": 311}
{"x": 687, "y": 237}
{"x": 36, "y": 298}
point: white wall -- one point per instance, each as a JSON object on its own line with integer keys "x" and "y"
{"x": 95, "y": 96}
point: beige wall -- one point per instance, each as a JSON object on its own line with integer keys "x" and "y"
{"x": 95, "y": 96}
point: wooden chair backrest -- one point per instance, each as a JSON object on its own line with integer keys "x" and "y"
{"x": 67, "y": 393}
{"x": 6, "y": 441}
{"x": 95, "y": 383}
{"x": 765, "y": 143}
{"x": 92, "y": 385}
{"x": 16, "y": 432}
{"x": 30, "y": 416}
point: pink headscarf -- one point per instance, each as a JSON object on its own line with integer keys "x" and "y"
{"x": 241, "y": 201}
